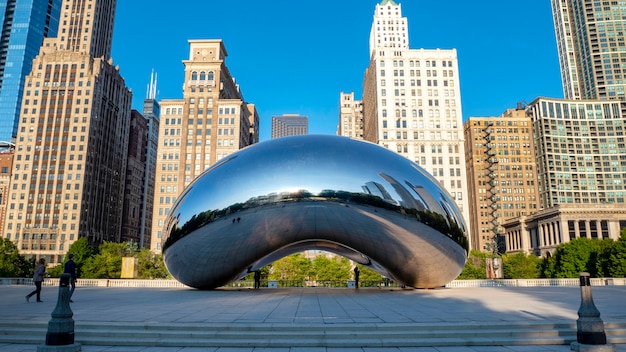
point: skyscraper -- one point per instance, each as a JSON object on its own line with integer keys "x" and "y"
{"x": 70, "y": 158}
{"x": 581, "y": 160}
{"x": 212, "y": 121}
{"x": 136, "y": 162}
{"x": 152, "y": 112}
{"x": 412, "y": 102}
{"x": 579, "y": 143}
{"x": 25, "y": 23}
{"x": 289, "y": 125}
{"x": 591, "y": 47}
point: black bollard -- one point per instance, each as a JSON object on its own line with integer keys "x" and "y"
{"x": 590, "y": 335}
{"x": 60, "y": 335}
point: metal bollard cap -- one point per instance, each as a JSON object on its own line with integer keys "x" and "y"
{"x": 65, "y": 280}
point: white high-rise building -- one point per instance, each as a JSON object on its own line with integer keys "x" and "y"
{"x": 412, "y": 102}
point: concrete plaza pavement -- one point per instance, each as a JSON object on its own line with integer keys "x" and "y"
{"x": 314, "y": 306}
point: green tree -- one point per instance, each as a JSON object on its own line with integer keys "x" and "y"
{"x": 601, "y": 259}
{"x": 12, "y": 264}
{"x": 330, "y": 269}
{"x": 475, "y": 268}
{"x": 291, "y": 267}
{"x": 617, "y": 257}
{"x": 521, "y": 266}
{"x": 572, "y": 258}
{"x": 107, "y": 264}
{"x": 151, "y": 265}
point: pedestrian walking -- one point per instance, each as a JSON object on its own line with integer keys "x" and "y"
{"x": 70, "y": 268}
{"x": 356, "y": 276}
{"x": 40, "y": 271}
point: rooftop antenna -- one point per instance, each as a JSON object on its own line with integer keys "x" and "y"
{"x": 151, "y": 92}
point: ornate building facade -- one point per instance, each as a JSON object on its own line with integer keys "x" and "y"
{"x": 70, "y": 160}
{"x": 212, "y": 121}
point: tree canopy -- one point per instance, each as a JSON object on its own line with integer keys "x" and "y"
{"x": 601, "y": 258}
{"x": 12, "y": 264}
{"x": 521, "y": 266}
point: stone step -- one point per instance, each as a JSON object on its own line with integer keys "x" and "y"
{"x": 120, "y": 327}
{"x": 329, "y": 335}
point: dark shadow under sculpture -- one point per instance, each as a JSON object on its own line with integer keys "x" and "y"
{"x": 286, "y": 195}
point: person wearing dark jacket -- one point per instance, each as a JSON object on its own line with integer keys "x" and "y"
{"x": 70, "y": 268}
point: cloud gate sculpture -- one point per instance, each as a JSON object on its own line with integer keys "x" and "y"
{"x": 291, "y": 194}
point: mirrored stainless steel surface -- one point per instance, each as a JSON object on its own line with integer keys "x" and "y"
{"x": 286, "y": 195}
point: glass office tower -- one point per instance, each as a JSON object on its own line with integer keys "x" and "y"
{"x": 592, "y": 49}
{"x": 24, "y": 25}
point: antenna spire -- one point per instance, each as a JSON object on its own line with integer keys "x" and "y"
{"x": 151, "y": 92}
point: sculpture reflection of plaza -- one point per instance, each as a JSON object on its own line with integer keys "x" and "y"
{"x": 283, "y": 196}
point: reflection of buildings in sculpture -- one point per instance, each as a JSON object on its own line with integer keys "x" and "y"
{"x": 376, "y": 189}
{"x": 70, "y": 156}
{"x": 420, "y": 202}
{"x": 427, "y": 198}
{"x": 407, "y": 200}
{"x": 355, "y": 214}
{"x": 411, "y": 102}
{"x": 212, "y": 121}
{"x": 541, "y": 232}
{"x": 350, "y": 116}
{"x": 450, "y": 213}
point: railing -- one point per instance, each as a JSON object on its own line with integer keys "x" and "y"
{"x": 535, "y": 282}
{"x": 161, "y": 283}
{"x": 98, "y": 282}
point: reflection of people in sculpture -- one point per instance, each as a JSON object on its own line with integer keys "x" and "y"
{"x": 257, "y": 279}
{"x": 356, "y": 276}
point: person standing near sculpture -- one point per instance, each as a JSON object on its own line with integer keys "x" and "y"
{"x": 38, "y": 275}
{"x": 70, "y": 268}
{"x": 257, "y": 279}
{"x": 356, "y": 276}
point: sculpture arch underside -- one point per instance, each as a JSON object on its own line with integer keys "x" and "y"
{"x": 287, "y": 195}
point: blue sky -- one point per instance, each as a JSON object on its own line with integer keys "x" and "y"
{"x": 293, "y": 56}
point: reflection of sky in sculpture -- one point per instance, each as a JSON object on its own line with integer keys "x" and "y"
{"x": 314, "y": 168}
